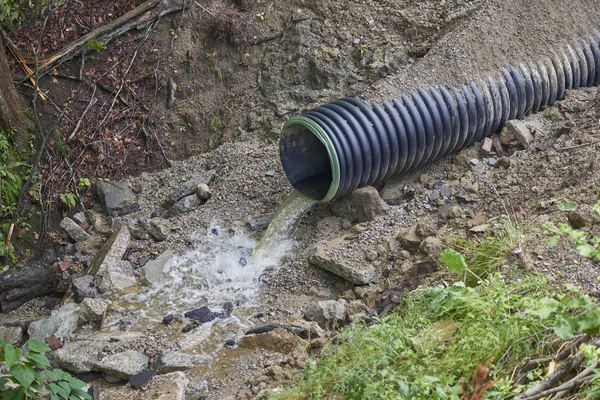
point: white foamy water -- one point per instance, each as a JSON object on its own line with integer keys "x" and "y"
{"x": 222, "y": 267}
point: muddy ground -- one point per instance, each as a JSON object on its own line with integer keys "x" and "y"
{"x": 232, "y": 98}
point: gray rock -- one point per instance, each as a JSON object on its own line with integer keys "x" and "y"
{"x": 189, "y": 188}
{"x": 203, "y": 192}
{"x": 74, "y": 231}
{"x": 504, "y": 162}
{"x": 101, "y": 224}
{"x": 93, "y": 310}
{"x": 259, "y": 223}
{"x": 158, "y": 228}
{"x": 446, "y": 192}
{"x": 434, "y": 195}
{"x": 328, "y": 313}
{"x": 330, "y": 256}
{"x": 153, "y": 270}
{"x": 432, "y": 247}
{"x": 91, "y": 246}
{"x": 61, "y": 323}
{"x": 117, "y": 276}
{"x": 202, "y": 315}
{"x": 454, "y": 211}
{"x": 164, "y": 387}
{"x": 80, "y": 217}
{"x": 171, "y": 361}
{"x": 116, "y": 198}
{"x": 121, "y": 366}
{"x": 84, "y": 287}
{"x": 12, "y": 334}
{"x": 185, "y": 205}
{"x": 368, "y": 204}
{"x": 409, "y": 239}
{"x": 78, "y": 357}
{"x": 138, "y": 231}
{"x": 519, "y": 131}
{"x": 113, "y": 250}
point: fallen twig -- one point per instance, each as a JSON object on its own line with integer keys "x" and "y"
{"x": 578, "y": 146}
{"x": 93, "y": 101}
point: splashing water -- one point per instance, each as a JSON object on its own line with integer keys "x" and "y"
{"x": 223, "y": 267}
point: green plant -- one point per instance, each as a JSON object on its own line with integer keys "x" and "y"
{"x": 25, "y": 373}
{"x": 216, "y": 124}
{"x": 95, "y": 46}
{"x": 185, "y": 125}
{"x": 219, "y": 74}
{"x": 173, "y": 33}
{"x": 567, "y": 206}
{"x": 84, "y": 183}
{"x": 188, "y": 62}
{"x": 363, "y": 50}
{"x": 69, "y": 200}
{"x": 585, "y": 245}
{"x": 9, "y": 13}
{"x": 260, "y": 16}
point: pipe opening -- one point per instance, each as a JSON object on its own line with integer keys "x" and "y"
{"x": 309, "y": 159}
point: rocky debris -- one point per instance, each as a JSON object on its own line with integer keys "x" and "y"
{"x": 158, "y": 228}
{"x": 486, "y": 147}
{"x": 188, "y": 188}
{"x": 258, "y": 224}
{"x": 201, "y": 315}
{"x": 453, "y": 211}
{"x": 409, "y": 239}
{"x": 84, "y": 287}
{"x": 329, "y": 314}
{"x": 518, "y": 130}
{"x": 138, "y": 231}
{"x": 203, "y": 192}
{"x": 185, "y": 205}
{"x": 138, "y": 380}
{"x": 162, "y": 387}
{"x": 366, "y": 291}
{"x": 281, "y": 341}
{"x": 12, "y": 334}
{"x": 80, "y": 217}
{"x": 368, "y": 204}
{"x": 117, "y": 276}
{"x": 53, "y": 342}
{"x": 356, "y": 310}
{"x": 389, "y": 299}
{"x": 93, "y": 310}
{"x": 171, "y": 361}
{"x": 305, "y": 332}
{"x": 91, "y": 246}
{"x": 100, "y": 223}
{"x": 74, "y": 231}
{"x": 153, "y": 270}
{"x": 116, "y": 198}
{"x": 113, "y": 250}
{"x": 194, "y": 337}
{"x": 329, "y": 255}
{"x": 122, "y": 366}
{"x": 432, "y": 247}
{"x": 60, "y": 323}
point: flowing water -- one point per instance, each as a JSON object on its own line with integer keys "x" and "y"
{"x": 223, "y": 266}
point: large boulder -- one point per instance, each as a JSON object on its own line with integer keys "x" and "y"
{"x": 117, "y": 276}
{"x": 116, "y": 198}
{"x": 161, "y": 387}
{"x": 171, "y": 361}
{"x": 74, "y": 231}
{"x": 122, "y": 366}
{"x": 113, "y": 250}
{"x": 329, "y": 314}
{"x": 368, "y": 204}
{"x": 84, "y": 287}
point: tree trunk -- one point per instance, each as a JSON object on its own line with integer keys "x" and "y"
{"x": 12, "y": 106}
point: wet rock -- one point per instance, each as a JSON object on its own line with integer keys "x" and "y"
{"x": 328, "y": 313}
{"x": 117, "y": 276}
{"x": 577, "y": 220}
{"x": 140, "y": 379}
{"x": 153, "y": 270}
{"x": 278, "y": 340}
{"x": 330, "y": 256}
{"x": 171, "y": 361}
{"x": 189, "y": 187}
{"x": 74, "y": 231}
{"x": 61, "y": 323}
{"x": 84, "y": 287}
{"x": 162, "y": 387}
{"x": 113, "y": 250}
{"x": 93, "y": 310}
{"x": 195, "y": 337}
{"x": 78, "y": 357}
{"x": 518, "y": 130}
{"x": 368, "y": 204}
{"x": 258, "y": 224}
{"x": 432, "y": 247}
{"x": 158, "y": 228}
{"x": 12, "y": 334}
{"x": 202, "y": 315}
{"x": 167, "y": 320}
{"x": 122, "y": 366}
{"x": 203, "y": 192}
{"x": 409, "y": 239}
{"x": 116, "y": 198}
{"x": 185, "y": 205}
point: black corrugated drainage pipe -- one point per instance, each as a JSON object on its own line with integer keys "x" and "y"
{"x": 330, "y": 151}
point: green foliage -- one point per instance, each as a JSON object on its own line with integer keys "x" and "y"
{"x": 216, "y": 124}
{"x": 188, "y": 62}
{"x": 95, "y": 46}
{"x": 432, "y": 344}
{"x": 69, "y": 200}
{"x": 84, "y": 183}
{"x": 26, "y": 374}
{"x": 9, "y": 14}
{"x": 567, "y": 206}
{"x": 185, "y": 125}
{"x": 586, "y": 246}
{"x": 219, "y": 74}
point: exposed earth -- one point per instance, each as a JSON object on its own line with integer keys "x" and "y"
{"x": 232, "y": 93}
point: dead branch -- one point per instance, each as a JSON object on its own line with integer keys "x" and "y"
{"x": 90, "y": 104}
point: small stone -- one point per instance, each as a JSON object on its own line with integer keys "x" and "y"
{"x": 453, "y": 212}
{"x": 432, "y": 247}
{"x": 486, "y": 147}
{"x": 93, "y": 310}
{"x": 504, "y": 162}
{"x": 168, "y": 319}
{"x": 506, "y": 137}
{"x": 122, "y": 366}
{"x": 474, "y": 161}
{"x": 153, "y": 270}
{"x": 425, "y": 180}
{"x": 171, "y": 361}
{"x": 185, "y": 205}
{"x": 498, "y": 146}
{"x": 158, "y": 228}
{"x": 270, "y": 173}
{"x": 446, "y": 192}
{"x": 117, "y": 276}
{"x": 84, "y": 287}
{"x": 328, "y": 313}
{"x": 189, "y": 188}
{"x": 101, "y": 224}
{"x": 409, "y": 239}
{"x": 140, "y": 379}
{"x": 203, "y": 192}
{"x": 479, "y": 228}
{"x": 492, "y": 161}
{"x": 519, "y": 131}
{"x": 80, "y": 217}
{"x": 74, "y": 231}
{"x": 368, "y": 204}
{"x": 434, "y": 195}
{"x": 371, "y": 255}
{"x": 117, "y": 198}
{"x": 202, "y": 315}
{"x": 365, "y": 291}
{"x": 12, "y": 334}
{"x": 53, "y": 342}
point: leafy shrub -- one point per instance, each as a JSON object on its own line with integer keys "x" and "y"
{"x": 585, "y": 245}
{"x": 9, "y": 14}
{"x": 25, "y": 373}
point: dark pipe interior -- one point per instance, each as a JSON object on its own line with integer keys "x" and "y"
{"x": 306, "y": 162}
